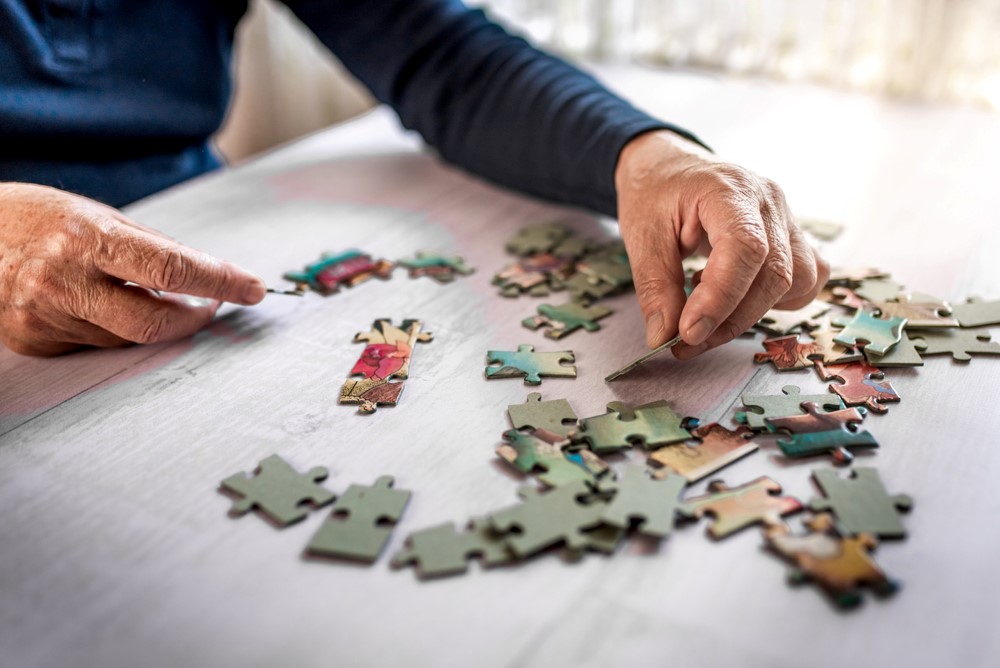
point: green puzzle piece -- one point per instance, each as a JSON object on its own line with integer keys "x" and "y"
{"x": 652, "y": 425}
{"x": 860, "y": 502}
{"x": 438, "y": 266}
{"x": 552, "y": 415}
{"x": 880, "y": 334}
{"x": 278, "y": 491}
{"x": 440, "y": 550}
{"x": 360, "y": 522}
{"x": 566, "y": 318}
{"x": 653, "y": 503}
{"x": 787, "y": 404}
{"x": 529, "y": 453}
{"x": 537, "y": 238}
{"x": 526, "y": 362}
{"x": 961, "y": 344}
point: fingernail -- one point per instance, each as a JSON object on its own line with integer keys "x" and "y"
{"x": 699, "y": 331}
{"x": 655, "y": 334}
{"x": 254, "y": 291}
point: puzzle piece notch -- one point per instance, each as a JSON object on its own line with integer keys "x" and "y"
{"x": 735, "y": 508}
{"x": 537, "y": 238}
{"x": 555, "y": 416}
{"x": 278, "y": 491}
{"x": 859, "y": 384}
{"x": 567, "y": 515}
{"x": 436, "y": 265}
{"x": 961, "y": 344}
{"x": 788, "y": 403}
{"x": 651, "y": 425}
{"x": 977, "y": 312}
{"x": 360, "y": 522}
{"x": 838, "y": 565}
{"x": 441, "y": 551}
{"x": 652, "y": 504}
{"x": 566, "y": 318}
{"x": 526, "y": 362}
{"x": 860, "y": 502}
{"x": 718, "y": 447}
{"x": 878, "y": 334}
{"x": 787, "y": 353}
{"x": 542, "y": 453}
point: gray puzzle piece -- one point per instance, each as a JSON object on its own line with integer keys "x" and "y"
{"x": 278, "y": 491}
{"x": 860, "y": 502}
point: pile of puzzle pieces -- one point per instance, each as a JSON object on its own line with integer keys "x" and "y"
{"x": 351, "y": 267}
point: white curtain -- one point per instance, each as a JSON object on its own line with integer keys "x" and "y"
{"x": 917, "y": 49}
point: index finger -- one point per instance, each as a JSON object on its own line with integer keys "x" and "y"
{"x": 132, "y": 254}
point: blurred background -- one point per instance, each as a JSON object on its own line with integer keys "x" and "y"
{"x": 940, "y": 52}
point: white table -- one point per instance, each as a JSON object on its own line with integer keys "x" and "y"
{"x": 116, "y": 548}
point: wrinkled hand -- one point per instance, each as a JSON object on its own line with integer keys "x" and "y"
{"x": 64, "y": 264}
{"x": 676, "y": 199}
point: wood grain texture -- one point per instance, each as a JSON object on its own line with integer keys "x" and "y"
{"x": 117, "y": 550}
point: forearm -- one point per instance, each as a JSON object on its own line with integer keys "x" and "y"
{"x": 484, "y": 99}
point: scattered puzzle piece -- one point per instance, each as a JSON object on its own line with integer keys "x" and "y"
{"x": 928, "y": 312}
{"x": 332, "y": 271}
{"x": 788, "y": 353}
{"x": 526, "y": 362}
{"x": 652, "y": 503}
{"x": 860, "y": 384}
{"x": 818, "y": 433}
{"x": 652, "y": 425}
{"x": 878, "y": 290}
{"x": 839, "y": 566}
{"x": 542, "y": 453}
{"x": 562, "y": 515}
{"x": 582, "y": 287}
{"x": 369, "y": 394}
{"x": 831, "y": 352}
{"x": 763, "y": 406}
{"x": 852, "y": 278}
{"x": 386, "y": 356}
{"x": 961, "y": 344}
{"x": 535, "y": 274}
{"x": 735, "y": 508}
{"x": 781, "y": 322}
{"x": 360, "y": 522}
{"x": 566, "y": 318}
{"x": 718, "y": 447}
{"x": 977, "y": 313}
{"x": 903, "y": 353}
{"x": 440, "y": 550}
{"x": 278, "y": 491}
{"x": 860, "y": 502}
{"x": 609, "y": 265}
{"x": 555, "y": 416}
{"x": 537, "y": 239}
{"x": 440, "y": 267}
{"x": 880, "y": 335}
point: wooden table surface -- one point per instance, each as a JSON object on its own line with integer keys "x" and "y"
{"x": 116, "y": 548}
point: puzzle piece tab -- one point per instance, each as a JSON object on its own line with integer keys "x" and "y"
{"x": 438, "y": 266}
{"x": 961, "y": 344}
{"x": 788, "y": 353}
{"x": 860, "y": 502}
{"x": 555, "y": 416}
{"x": 860, "y": 384}
{"x": 838, "y": 565}
{"x": 879, "y": 334}
{"x": 651, "y": 425}
{"x": 718, "y": 447}
{"x": 440, "y": 550}
{"x": 763, "y": 406}
{"x": 566, "y": 318}
{"x": 735, "y": 508}
{"x": 360, "y": 522}
{"x": 526, "y": 362}
{"x": 278, "y": 491}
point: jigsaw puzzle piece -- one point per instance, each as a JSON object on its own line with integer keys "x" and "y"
{"x": 878, "y": 290}
{"x": 880, "y": 335}
{"x": 718, "y": 447}
{"x": 535, "y": 274}
{"x": 651, "y": 425}
{"x": 440, "y": 550}
{"x": 788, "y": 353}
{"x": 611, "y": 267}
{"x": 440, "y": 267}
{"x": 555, "y": 416}
{"x": 333, "y": 271}
{"x": 564, "y": 515}
{"x": 859, "y": 384}
{"x": 860, "y": 502}
{"x": 781, "y": 322}
{"x": 977, "y": 312}
{"x": 919, "y": 311}
{"x": 652, "y": 503}
{"x": 526, "y": 362}
{"x": 278, "y": 491}
{"x": 904, "y": 353}
{"x": 537, "y": 239}
{"x": 961, "y": 344}
{"x": 829, "y": 351}
{"x": 735, "y": 508}
{"x": 360, "y": 522}
{"x": 838, "y": 565}
{"x": 763, "y": 406}
{"x": 566, "y": 318}
{"x": 817, "y": 433}
{"x": 584, "y": 288}
{"x": 369, "y": 394}
{"x": 852, "y": 278}
{"x": 542, "y": 453}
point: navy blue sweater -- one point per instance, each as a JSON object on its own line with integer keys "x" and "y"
{"x": 116, "y": 99}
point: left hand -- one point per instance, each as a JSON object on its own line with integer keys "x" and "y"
{"x": 676, "y": 199}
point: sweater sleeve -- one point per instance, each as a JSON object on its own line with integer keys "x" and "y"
{"x": 485, "y": 99}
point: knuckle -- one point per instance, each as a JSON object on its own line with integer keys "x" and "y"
{"x": 171, "y": 269}
{"x": 152, "y": 330}
{"x": 780, "y": 274}
{"x": 731, "y": 329}
{"x": 751, "y": 243}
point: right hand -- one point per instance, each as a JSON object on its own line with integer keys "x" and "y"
{"x": 74, "y": 273}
